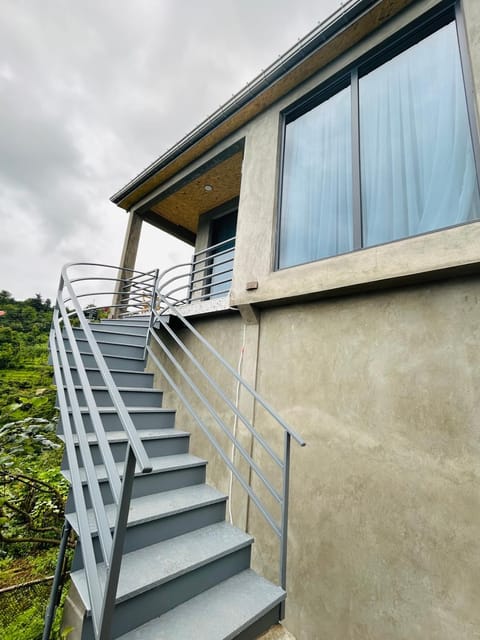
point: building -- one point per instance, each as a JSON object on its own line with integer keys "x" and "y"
{"x": 334, "y": 210}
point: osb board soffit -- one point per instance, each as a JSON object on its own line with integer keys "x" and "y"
{"x": 343, "y": 39}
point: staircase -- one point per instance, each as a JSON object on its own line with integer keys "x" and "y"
{"x": 185, "y": 572}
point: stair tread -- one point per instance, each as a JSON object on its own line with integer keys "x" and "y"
{"x": 142, "y": 373}
{"x": 220, "y": 613}
{"x": 120, "y": 344}
{"x": 130, "y": 409}
{"x": 99, "y": 329}
{"x": 108, "y": 355}
{"x": 104, "y": 388}
{"x": 158, "y": 506}
{"x": 161, "y": 562}
{"x": 159, "y": 464}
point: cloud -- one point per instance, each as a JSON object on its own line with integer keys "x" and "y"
{"x": 92, "y": 92}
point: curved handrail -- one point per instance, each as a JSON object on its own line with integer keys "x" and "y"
{"x": 83, "y": 478}
{"x": 199, "y": 279}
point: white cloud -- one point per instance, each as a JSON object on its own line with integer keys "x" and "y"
{"x": 92, "y": 92}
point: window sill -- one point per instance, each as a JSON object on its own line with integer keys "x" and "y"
{"x": 445, "y": 253}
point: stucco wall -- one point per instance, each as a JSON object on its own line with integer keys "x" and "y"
{"x": 385, "y": 498}
{"x": 453, "y": 248}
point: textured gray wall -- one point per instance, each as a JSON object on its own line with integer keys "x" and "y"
{"x": 385, "y": 498}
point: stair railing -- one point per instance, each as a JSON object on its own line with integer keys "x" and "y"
{"x": 85, "y": 484}
{"x": 164, "y": 307}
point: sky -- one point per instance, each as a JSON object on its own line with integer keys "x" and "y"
{"x": 91, "y": 92}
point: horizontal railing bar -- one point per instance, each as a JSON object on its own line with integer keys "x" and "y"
{"x": 209, "y": 281}
{"x": 69, "y": 265}
{"x": 209, "y": 275}
{"x": 177, "y": 266}
{"x": 245, "y": 421}
{"x": 243, "y": 382}
{"x": 175, "y": 278}
{"x": 251, "y": 463}
{"x": 214, "y": 246}
{"x": 209, "y": 259}
{"x": 214, "y": 442}
{"x": 88, "y": 553}
{"x": 211, "y": 284}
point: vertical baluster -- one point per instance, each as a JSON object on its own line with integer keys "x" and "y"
{"x": 113, "y": 572}
{"x": 284, "y": 527}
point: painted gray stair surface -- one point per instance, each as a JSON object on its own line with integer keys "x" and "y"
{"x": 122, "y": 378}
{"x": 220, "y": 613}
{"x": 185, "y": 572}
{"x": 112, "y": 361}
{"x": 143, "y": 418}
{"x": 157, "y": 442}
{"x": 134, "y": 338}
{"x": 132, "y": 396}
{"x": 161, "y": 516}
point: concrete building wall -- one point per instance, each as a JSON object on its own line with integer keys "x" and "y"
{"x": 452, "y": 248}
{"x": 385, "y": 497}
{"x": 383, "y": 385}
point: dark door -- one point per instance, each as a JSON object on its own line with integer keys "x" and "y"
{"x": 222, "y": 233}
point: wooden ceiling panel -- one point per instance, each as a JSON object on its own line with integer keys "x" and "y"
{"x": 184, "y": 206}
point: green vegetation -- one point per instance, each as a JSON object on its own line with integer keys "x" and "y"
{"x": 32, "y": 489}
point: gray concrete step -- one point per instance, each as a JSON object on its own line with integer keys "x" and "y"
{"x": 115, "y": 326}
{"x": 157, "y": 442}
{"x": 127, "y": 363}
{"x": 110, "y": 348}
{"x": 221, "y": 613}
{"x": 160, "y": 577}
{"x": 132, "y": 396}
{"x": 142, "y": 417}
{"x": 155, "y": 518}
{"x": 121, "y": 337}
{"x": 168, "y": 472}
{"x": 121, "y": 377}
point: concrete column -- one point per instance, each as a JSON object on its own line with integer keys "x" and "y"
{"x": 129, "y": 253}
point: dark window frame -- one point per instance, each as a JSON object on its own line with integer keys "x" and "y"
{"x": 428, "y": 23}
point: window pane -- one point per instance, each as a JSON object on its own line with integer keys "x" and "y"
{"x": 418, "y": 171}
{"x": 316, "y": 216}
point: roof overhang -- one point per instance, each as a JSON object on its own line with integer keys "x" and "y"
{"x": 345, "y": 28}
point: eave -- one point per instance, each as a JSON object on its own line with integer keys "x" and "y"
{"x": 345, "y": 28}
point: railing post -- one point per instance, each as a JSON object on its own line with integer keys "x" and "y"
{"x": 57, "y": 582}
{"x": 284, "y": 526}
{"x": 113, "y": 572}
{"x": 153, "y": 304}
{"x": 191, "y": 279}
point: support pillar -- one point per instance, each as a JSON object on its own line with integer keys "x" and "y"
{"x": 129, "y": 256}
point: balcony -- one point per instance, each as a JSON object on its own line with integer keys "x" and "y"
{"x": 202, "y": 285}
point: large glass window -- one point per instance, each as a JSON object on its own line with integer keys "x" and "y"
{"x": 403, "y": 128}
{"x": 317, "y": 183}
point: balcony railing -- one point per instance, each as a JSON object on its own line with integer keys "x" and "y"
{"x": 207, "y": 276}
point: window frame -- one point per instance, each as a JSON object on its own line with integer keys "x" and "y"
{"x": 433, "y": 20}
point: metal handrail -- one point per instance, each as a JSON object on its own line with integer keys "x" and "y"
{"x": 164, "y": 306}
{"x": 84, "y": 481}
{"x": 198, "y": 280}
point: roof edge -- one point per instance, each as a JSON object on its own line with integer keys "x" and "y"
{"x": 325, "y": 30}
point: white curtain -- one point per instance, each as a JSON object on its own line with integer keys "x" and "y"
{"x": 417, "y": 164}
{"x": 316, "y": 218}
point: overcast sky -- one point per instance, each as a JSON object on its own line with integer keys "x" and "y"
{"x": 91, "y": 92}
